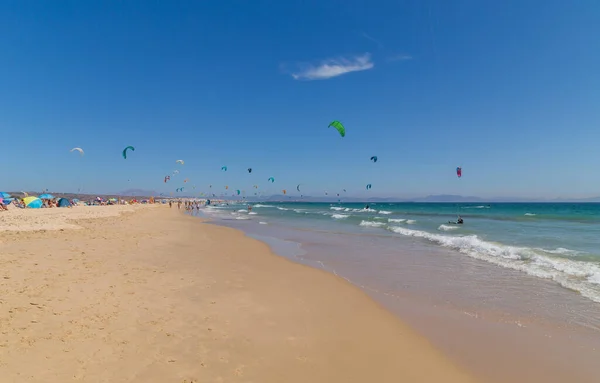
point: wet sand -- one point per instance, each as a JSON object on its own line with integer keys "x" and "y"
{"x": 152, "y": 295}
{"x": 499, "y": 324}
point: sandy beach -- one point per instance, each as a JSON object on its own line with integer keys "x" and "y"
{"x": 148, "y": 294}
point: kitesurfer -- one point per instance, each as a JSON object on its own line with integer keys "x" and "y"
{"x": 459, "y": 220}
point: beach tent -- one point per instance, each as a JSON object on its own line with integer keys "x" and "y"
{"x": 63, "y": 202}
{"x": 33, "y": 202}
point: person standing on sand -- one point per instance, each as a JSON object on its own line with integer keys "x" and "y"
{"x": 179, "y": 204}
{"x": 170, "y": 204}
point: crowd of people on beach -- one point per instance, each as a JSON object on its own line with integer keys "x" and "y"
{"x": 29, "y": 202}
{"x": 189, "y": 205}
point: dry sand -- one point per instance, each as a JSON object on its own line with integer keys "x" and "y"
{"x": 157, "y": 296}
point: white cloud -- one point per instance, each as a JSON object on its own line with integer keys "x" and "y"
{"x": 333, "y": 68}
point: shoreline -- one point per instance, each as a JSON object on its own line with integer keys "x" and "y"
{"x": 482, "y": 340}
{"x": 161, "y": 296}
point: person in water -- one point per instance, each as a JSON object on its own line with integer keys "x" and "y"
{"x": 367, "y": 207}
{"x": 459, "y": 220}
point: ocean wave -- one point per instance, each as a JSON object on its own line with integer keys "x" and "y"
{"x": 337, "y": 208}
{"x": 576, "y": 275}
{"x": 475, "y": 207}
{"x": 282, "y": 208}
{"x": 252, "y": 213}
{"x": 371, "y": 224}
{"x": 530, "y": 214}
{"x": 411, "y": 221}
{"x": 263, "y": 223}
{"x": 242, "y": 218}
{"x": 447, "y": 227}
{"x": 340, "y": 216}
{"x": 384, "y": 212}
{"x": 562, "y": 251}
{"x": 259, "y": 205}
{"x": 396, "y": 220}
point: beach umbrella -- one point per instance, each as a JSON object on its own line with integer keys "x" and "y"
{"x": 5, "y": 195}
{"x": 33, "y": 202}
{"x": 63, "y": 202}
{"x": 46, "y": 196}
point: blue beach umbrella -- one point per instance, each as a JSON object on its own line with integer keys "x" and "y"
{"x": 46, "y": 196}
{"x": 5, "y": 195}
{"x": 33, "y": 202}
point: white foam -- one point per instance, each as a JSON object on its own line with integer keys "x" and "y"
{"x": 259, "y": 205}
{"x": 263, "y": 223}
{"x": 252, "y": 213}
{"x": 447, "y": 227}
{"x": 562, "y": 251}
{"x": 530, "y": 214}
{"x": 580, "y": 276}
{"x": 372, "y": 224}
{"x": 336, "y": 208}
{"x": 396, "y": 220}
{"x": 242, "y": 218}
{"x": 340, "y": 216}
{"x": 411, "y": 221}
{"x": 384, "y": 212}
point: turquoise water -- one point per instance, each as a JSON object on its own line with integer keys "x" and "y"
{"x": 558, "y": 242}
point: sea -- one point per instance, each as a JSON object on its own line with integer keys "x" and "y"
{"x": 507, "y": 268}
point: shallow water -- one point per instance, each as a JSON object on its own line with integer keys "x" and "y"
{"x": 516, "y": 279}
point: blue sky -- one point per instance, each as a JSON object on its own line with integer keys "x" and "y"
{"x": 507, "y": 89}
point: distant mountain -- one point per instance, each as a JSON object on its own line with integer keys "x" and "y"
{"x": 447, "y": 198}
{"x": 581, "y": 200}
{"x": 431, "y": 198}
{"x": 138, "y": 193}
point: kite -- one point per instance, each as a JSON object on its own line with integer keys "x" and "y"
{"x": 374, "y": 158}
{"x": 77, "y": 149}
{"x": 125, "y": 151}
{"x": 179, "y": 162}
{"x": 271, "y": 179}
{"x": 284, "y": 191}
{"x": 368, "y": 186}
{"x": 298, "y": 187}
{"x": 249, "y": 170}
{"x": 339, "y": 127}
{"x": 459, "y": 171}
{"x": 224, "y": 168}
{"x": 167, "y": 178}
